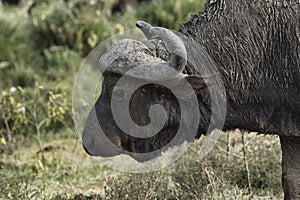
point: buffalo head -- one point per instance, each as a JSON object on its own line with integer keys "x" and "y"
{"x": 150, "y": 98}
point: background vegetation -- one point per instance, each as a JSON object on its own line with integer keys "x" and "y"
{"x": 42, "y": 44}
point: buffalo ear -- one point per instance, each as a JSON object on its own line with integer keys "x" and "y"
{"x": 197, "y": 82}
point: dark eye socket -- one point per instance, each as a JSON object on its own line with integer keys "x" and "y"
{"x": 118, "y": 94}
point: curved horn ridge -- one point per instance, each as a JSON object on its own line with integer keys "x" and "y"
{"x": 173, "y": 44}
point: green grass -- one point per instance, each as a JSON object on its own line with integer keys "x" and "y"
{"x": 64, "y": 171}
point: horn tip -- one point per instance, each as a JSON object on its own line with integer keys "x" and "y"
{"x": 142, "y": 24}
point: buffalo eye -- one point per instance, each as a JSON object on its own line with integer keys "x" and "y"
{"x": 118, "y": 94}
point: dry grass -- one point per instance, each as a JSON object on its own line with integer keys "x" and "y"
{"x": 66, "y": 172}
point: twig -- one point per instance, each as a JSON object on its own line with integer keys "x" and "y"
{"x": 37, "y": 125}
{"x": 228, "y": 144}
{"x": 7, "y": 129}
{"x": 28, "y": 7}
{"x": 246, "y": 161}
{"x": 211, "y": 182}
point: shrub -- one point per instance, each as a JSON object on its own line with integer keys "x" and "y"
{"x": 53, "y": 25}
{"x": 15, "y": 55}
{"x": 24, "y": 111}
{"x": 80, "y": 26}
{"x": 168, "y": 13}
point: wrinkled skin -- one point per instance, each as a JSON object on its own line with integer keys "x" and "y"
{"x": 141, "y": 100}
{"x": 256, "y": 47}
{"x": 139, "y": 105}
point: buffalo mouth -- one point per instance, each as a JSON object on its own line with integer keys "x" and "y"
{"x": 100, "y": 139}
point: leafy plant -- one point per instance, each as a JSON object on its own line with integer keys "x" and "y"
{"x": 15, "y": 54}
{"x": 55, "y": 26}
{"x": 66, "y": 25}
{"x": 167, "y": 14}
{"x": 31, "y": 110}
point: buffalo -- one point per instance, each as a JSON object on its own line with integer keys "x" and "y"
{"x": 255, "y": 47}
